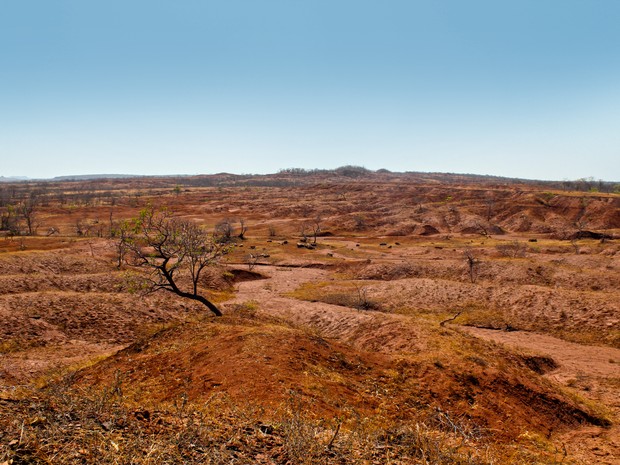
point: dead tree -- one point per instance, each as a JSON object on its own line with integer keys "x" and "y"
{"x": 482, "y": 230}
{"x": 490, "y": 203}
{"x": 124, "y": 234}
{"x": 111, "y": 222}
{"x": 172, "y": 251}
{"x": 316, "y": 228}
{"x": 362, "y": 302}
{"x": 303, "y": 232}
{"x": 224, "y": 231}
{"x": 512, "y": 249}
{"x": 243, "y": 229}
{"x": 28, "y": 210}
{"x": 581, "y": 226}
{"x": 251, "y": 259}
{"x": 473, "y": 264}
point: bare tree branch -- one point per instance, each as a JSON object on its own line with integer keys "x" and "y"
{"x": 171, "y": 249}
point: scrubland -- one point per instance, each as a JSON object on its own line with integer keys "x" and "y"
{"x": 369, "y": 318}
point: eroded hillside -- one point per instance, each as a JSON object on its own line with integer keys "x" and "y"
{"x": 396, "y": 320}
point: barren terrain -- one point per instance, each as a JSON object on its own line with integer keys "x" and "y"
{"x": 381, "y": 318}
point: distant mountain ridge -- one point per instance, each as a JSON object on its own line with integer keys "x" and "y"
{"x": 13, "y": 178}
{"x": 88, "y": 177}
{"x": 298, "y": 176}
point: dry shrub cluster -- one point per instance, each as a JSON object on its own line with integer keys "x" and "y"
{"x": 347, "y": 295}
{"x": 514, "y": 249}
{"x": 60, "y": 424}
{"x": 355, "y": 298}
{"x": 389, "y": 272}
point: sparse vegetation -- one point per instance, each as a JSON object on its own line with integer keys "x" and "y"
{"x": 105, "y": 427}
{"x": 224, "y": 231}
{"x": 391, "y": 372}
{"x": 514, "y": 249}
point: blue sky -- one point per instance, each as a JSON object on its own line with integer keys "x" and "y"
{"x": 513, "y": 88}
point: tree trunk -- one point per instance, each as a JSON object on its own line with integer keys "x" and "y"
{"x": 216, "y": 311}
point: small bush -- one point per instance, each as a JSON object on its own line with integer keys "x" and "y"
{"x": 514, "y": 249}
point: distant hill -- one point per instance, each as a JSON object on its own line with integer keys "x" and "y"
{"x": 88, "y": 177}
{"x": 300, "y": 176}
{"x": 13, "y": 178}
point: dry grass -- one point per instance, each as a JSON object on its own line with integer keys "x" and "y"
{"x": 366, "y": 387}
{"x": 343, "y": 293}
{"x": 60, "y": 425}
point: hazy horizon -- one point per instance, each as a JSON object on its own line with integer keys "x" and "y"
{"x": 518, "y": 89}
{"x": 309, "y": 170}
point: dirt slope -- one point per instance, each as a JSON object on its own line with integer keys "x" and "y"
{"x": 593, "y": 371}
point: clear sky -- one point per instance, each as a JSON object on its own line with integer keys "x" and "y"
{"x": 519, "y": 88}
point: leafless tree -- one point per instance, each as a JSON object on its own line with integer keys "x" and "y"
{"x": 489, "y": 201}
{"x": 362, "y": 302}
{"x": 482, "y": 229}
{"x": 251, "y": 259}
{"x": 224, "y": 230}
{"x": 303, "y": 231}
{"x": 310, "y": 228}
{"x": 123, "y": 233}
{"x": 111, "y": 222}
{"x": 28, "y": 210}
{"x": 243, "y": 229}
{"x": 173, "y": 251}
{"x": 473, "y": 263}
{"x": 315, "y": 225}
{"x": 581, "y": 226}
{"x": 513, "y": 249}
